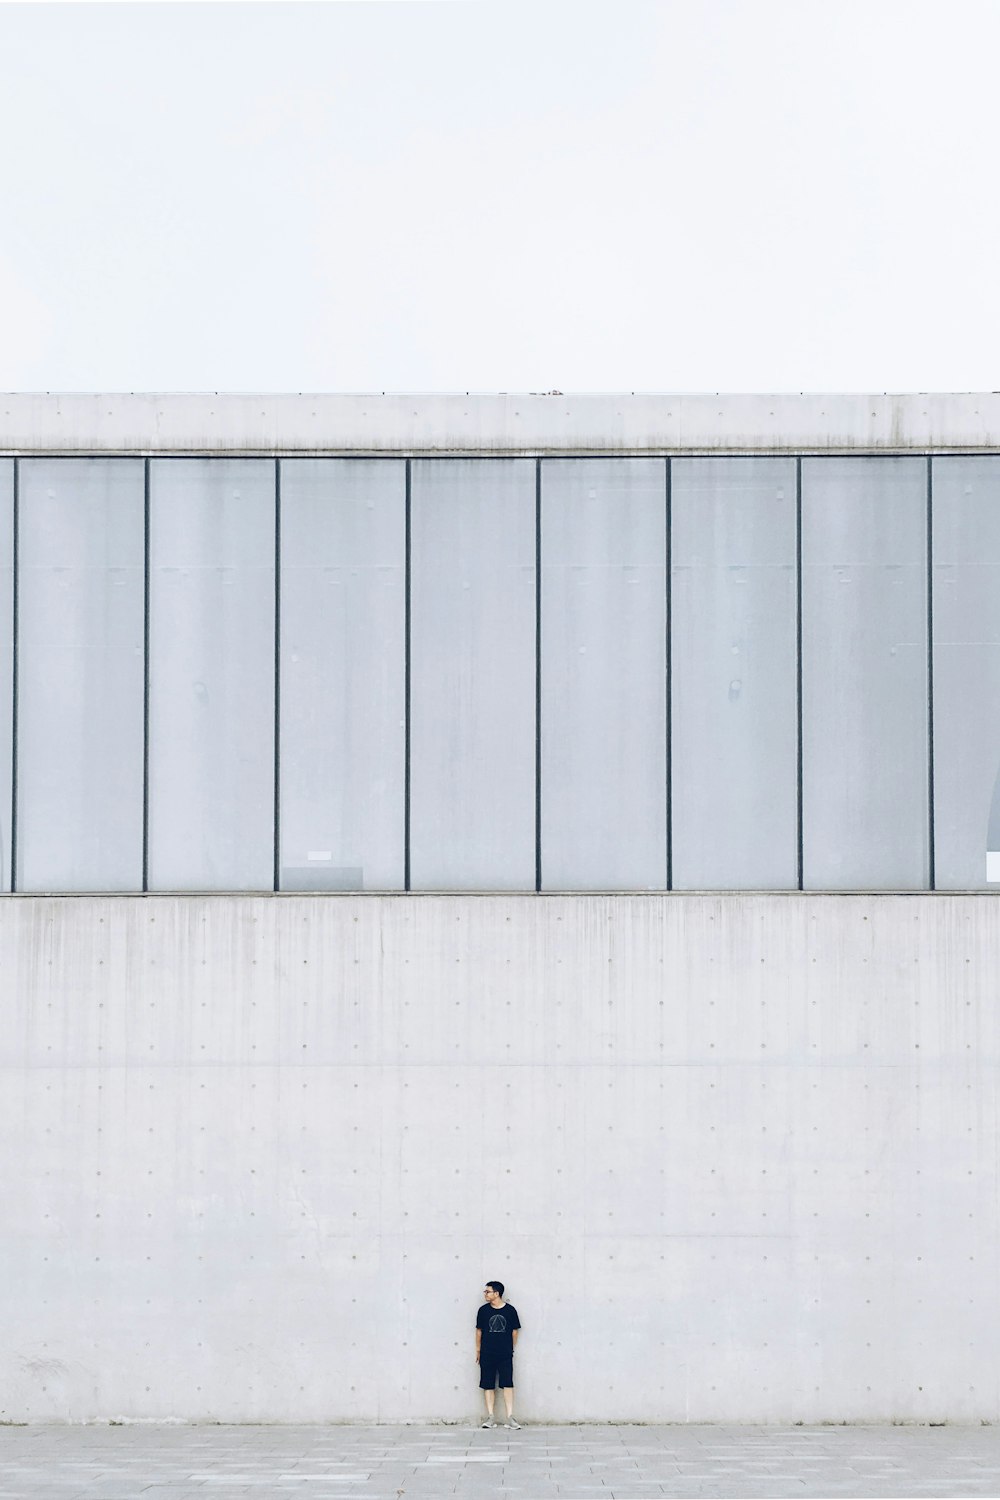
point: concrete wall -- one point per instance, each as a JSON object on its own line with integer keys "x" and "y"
{"x": 469, "y": 422}
{"x": 735, "y": 1156}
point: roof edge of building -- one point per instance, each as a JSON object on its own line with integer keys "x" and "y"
{"x": 482, "y": 425}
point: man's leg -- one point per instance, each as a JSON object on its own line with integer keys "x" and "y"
{"x": 489, "y": 1394}
{"x": 508, "y": 1400}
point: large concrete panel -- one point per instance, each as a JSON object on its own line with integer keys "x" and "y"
{"x": 625, "y": 423}
{"x": 735, "y": 1156}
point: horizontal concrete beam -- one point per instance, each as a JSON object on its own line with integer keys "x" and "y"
{"x": 498, "y": 424}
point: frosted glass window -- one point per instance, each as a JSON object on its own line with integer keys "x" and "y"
{"x": 733, "y": 670}
{"x": 966, "y": 531}
{"x": 864, "y": 674}
{"x": 472, "y": 736}
{"x": 211, "y": 677}
{"x": 343, "y": 673}
{"x": 6, "y": 663}
{"x": 80, "y": 674}
{"x": 603, "y": 674}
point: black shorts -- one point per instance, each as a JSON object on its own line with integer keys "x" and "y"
{"x": 496, "y": 1371}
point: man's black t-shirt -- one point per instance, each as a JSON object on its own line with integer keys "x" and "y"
{"x": 497, "y": 1325}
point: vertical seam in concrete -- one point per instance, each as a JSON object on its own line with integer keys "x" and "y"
{"x": 799, "y": 855}
{"x": 15, "y": 653}
{"x": 407, "y": 590}
{"x": 538, "y": 675}
{"x": 145, "y": 671}
{"x": 277, "y": 674}
{"x": 668, "y": 665}
{"x": 930, "y": 672}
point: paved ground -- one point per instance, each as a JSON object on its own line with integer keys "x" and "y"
{"x": 537, "y": 1463}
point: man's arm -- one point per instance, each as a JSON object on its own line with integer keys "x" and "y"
{"x": 514, "y": 1334}
{"x": 479, "y": 1343}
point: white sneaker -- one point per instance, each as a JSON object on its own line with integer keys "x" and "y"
{"x": 489, "y": 1422}
{"x": 512, "y": 1423}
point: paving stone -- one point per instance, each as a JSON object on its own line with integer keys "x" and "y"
{"x": 146, "y": 1462}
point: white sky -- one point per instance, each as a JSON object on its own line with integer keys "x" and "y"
{"x": 741, "y": 195}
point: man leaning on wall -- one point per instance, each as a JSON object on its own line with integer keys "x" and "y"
{"x": 497, "y": 1328}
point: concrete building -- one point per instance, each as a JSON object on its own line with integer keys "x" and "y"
{"x": 534, "y": 837}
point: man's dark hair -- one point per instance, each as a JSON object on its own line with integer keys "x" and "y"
{"x": 497, "y": 1287}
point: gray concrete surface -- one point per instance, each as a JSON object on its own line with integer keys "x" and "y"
{"x": 537, "y": 1463}
{"x": 734, "y": 1156}
{"x": 471, "y": 422}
